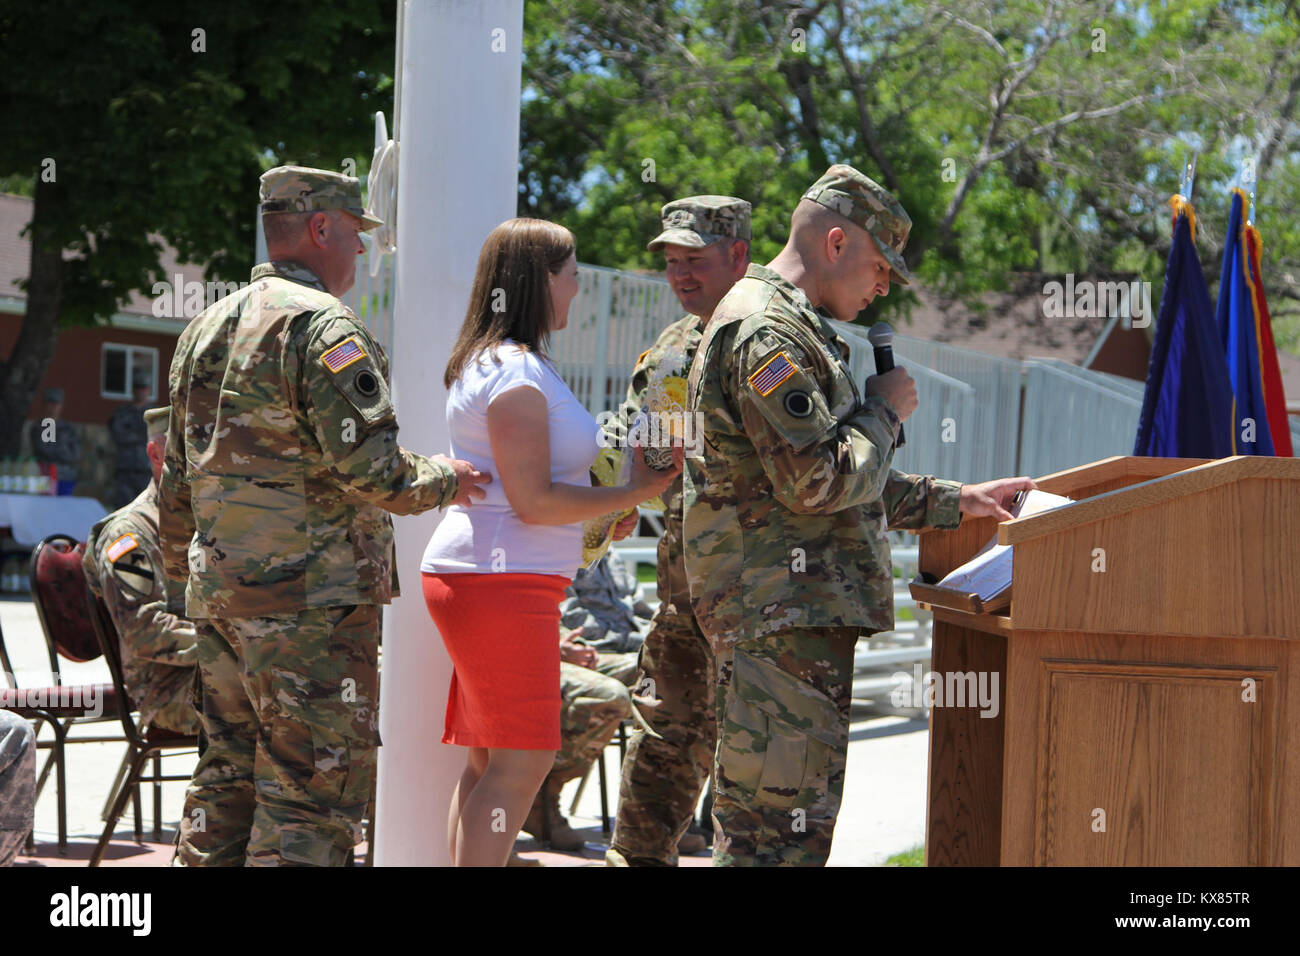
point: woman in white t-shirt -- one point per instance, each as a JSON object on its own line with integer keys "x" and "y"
{"x": 494, "y": 574}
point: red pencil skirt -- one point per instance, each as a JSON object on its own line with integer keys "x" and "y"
{"x": 502, "y": 632}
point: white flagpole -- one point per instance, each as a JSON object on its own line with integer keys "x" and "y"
{"x": 457, "y": 174}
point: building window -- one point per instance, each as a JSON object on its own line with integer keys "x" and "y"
{"x": 123, "y": 366}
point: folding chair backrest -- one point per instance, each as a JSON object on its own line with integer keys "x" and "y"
{"x": 59, "y": 592}
{"x": 106, "y": 636}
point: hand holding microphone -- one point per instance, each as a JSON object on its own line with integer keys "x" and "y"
{"x": 892, "y": 384}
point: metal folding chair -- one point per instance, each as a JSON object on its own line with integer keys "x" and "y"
{"x": 57, "y": 588}
{"x": 143, "y": 743}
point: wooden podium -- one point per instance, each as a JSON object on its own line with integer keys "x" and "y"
{"x": 1147, "y": 709}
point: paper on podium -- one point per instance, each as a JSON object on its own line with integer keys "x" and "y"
{"x": 988, "y": 574}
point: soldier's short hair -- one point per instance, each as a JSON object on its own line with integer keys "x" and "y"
{"x": 284, "y": 228}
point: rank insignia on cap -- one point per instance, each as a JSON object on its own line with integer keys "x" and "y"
{"x": 775, "y": 371}
{"x": 342, "y": 355}
{"x": 121, "y": 546}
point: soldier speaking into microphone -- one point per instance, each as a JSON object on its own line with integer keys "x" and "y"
{"x": 785, "y": 516}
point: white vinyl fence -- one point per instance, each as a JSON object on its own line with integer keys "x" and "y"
{"x": 966, "y": 425}
{"x": 980, "y": 416}
{"x": 371, "y": 299}
{"x": 614, "y": 318}
{"x": 1074, "y": 415}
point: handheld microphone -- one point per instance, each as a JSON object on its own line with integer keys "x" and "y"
{"x": 881, "y": 337}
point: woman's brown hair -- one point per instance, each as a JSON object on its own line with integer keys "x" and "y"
{"x": 511, "y": 298}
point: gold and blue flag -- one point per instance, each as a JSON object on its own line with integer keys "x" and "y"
{"x": 1239, "y": 332}
{"x": 1274, "y": 395}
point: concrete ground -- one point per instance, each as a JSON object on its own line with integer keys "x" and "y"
{"x": 883, "y": 811}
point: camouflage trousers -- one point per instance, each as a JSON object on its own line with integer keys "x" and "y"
{"x": 783, "y": 712}
{"x": 663, "y": 779}
{"x": 17, "y": 783}
{"x": 290, "y": 716}
{"x": 593, "y": 702}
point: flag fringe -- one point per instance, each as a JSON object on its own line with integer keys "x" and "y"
{"x": 1182, "y": 206}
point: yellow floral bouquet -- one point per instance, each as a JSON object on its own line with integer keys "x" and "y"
{"x": 657, "y": 427}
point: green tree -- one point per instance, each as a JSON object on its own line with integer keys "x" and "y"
{"x": 137, "y": 123}
{"x": 1020, "y": 134}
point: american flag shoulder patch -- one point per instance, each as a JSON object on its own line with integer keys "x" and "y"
{"x": 121, "y": 546}
{"x": 774, "y": 371}
{"x": 342, "y": 355}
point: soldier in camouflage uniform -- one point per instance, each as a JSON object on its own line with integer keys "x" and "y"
{"x": 705, "y": 240}
{"x": 132, "y": 470}
{"x": 17, "y": 783}
{"x": 601, "y": 606}
{"x": 602, "y": 626}
{"x": 123, "y": 565}
{"x": 786, "y": 511}
{"x": 282, "y": 467}
{"x": 594, "y": 700}
{"x": 54, "y": 441}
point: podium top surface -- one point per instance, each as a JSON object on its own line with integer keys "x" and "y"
{"x": 1168, "y": 481}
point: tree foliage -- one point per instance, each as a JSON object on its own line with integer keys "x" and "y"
{"x": 1020, "y": 135}
{"x": 138, "y": 123}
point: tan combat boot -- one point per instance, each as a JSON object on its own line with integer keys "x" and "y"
{"x": 547, "y": 824}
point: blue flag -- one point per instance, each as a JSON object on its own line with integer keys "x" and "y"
{"x": 1187, "y": 409}
{"x": 1240, "y": 337}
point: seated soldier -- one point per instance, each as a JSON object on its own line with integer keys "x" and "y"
{"x": 602, "y": 628}
{"x": 123, "y": 565}
{"x": 17, "y": 783}
{"x": 601, "y": 605}
{"x": 594, "y": 691}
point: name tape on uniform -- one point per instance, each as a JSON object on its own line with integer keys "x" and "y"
{"x": 342, "y": 355}
{"x": 121, "y": 546}
{"x": 774, "y": 371}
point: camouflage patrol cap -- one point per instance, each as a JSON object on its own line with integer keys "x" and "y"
{"x": 700, "y": 221}
{"x": 302, "y": 189}
{"x": 157, "y": 420}
{"x": 865, "y": 203}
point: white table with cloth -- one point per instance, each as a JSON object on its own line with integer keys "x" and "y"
{"x": 30, "y": 518}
